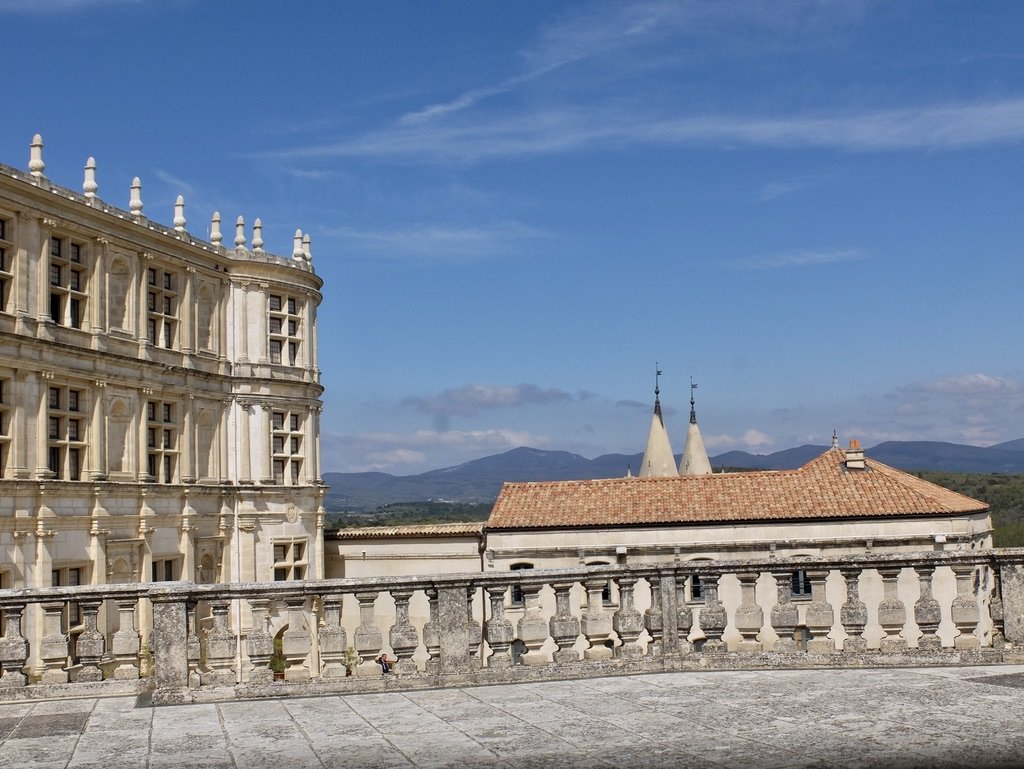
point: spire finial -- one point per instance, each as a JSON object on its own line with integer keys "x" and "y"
{"x": 297, "y": 246}
{"x": 135, "y": 203}
{"x": 257, "y": 235}
{"x": 240, "y": 232}
{"x": 35, "y": 158}
{"x": 657, "y": 388}
{"x": 179, "y": 213}
{"x": 693, "y": 411}
{"x": 89, "y": 185}
{"x": 306, "y": 241}
{"x": 835, "y": 440}
{"x": 215, "y": 234}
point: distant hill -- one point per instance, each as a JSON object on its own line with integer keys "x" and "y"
{"x": 480, "y": 479}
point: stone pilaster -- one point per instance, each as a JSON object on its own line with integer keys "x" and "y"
{"x": 596, "y": 623}
{"x": 53, "y": 647}
{"x": 91, "y": 644}
{"x": 296, "y": 640}
{"x": 403, "y": 636}
{"x": 713, "y": 617}
{"x": 654, "y": 619}
{"x": 819, "y": 616}
{"x": 369, "y": 640}
{"x": 533, "y": 628}
{"x": 13, "y": 648}
{"x": 221, "y": 647}
{"x": 964, "y": 610}
{"x": 259, "y": 644}
{"x": 785, "y": 615}
{"x": 170, "y": 644}
{"x": 333, "y": 639}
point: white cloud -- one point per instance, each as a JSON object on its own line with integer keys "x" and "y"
{"x": 800, "y": 258}
{"x": 438, "y": 240}
{"x": 751, "y": 439}
{"x": 469, "y": 400}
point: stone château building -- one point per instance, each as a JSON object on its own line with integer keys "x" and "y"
{"x": 159, "y": 395}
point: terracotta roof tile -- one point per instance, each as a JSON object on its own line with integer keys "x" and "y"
{"x": 823, "y": 488}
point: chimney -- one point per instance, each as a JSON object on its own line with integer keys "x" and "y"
{"x": 855, "y": 456}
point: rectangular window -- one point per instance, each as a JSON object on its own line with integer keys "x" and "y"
{"x": 151, "y": 276}
{"x": 295, "y": 445}
{"x": 279, "y": 471}
{"x": 56, "y": 313}
{"x": 151, "y": 438}
{"x": 151, "y": 301}
{"x": 55, "y": 427}
{"x": 275, "y": 350}
{"x": 275, "y": 325}
{"x": 55, "y": 251}
{"x": 294, "y": 425}
{"x": 277, "y": 420}
{"x": 167, "y": 412}
{"x": 164, "y": 570}
{"x": 151, "y": 330}
{"x": 296, "y": 472}
{"x": 54, "y": 398}
{"x": 75, "y": 313}
{"x": 275, "y": 303}
{"x": 72, "y": 400}
{"x": 278, "y": 444}
{"x": 291, "y": 306}
{"x": 73, "y": 426}
{"x": 76, "y": 280}
{"x": 54, "y": 460}
{"x": 76, "y": 253}
{"x": 800, "y": 583}
{"x": 74, "y": 469}
{"x": 289, "y": 560}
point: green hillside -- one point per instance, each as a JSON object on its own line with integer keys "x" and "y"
{"x": 1005, "y": 494}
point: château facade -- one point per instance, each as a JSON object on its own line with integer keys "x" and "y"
{"x": 159, "y": 395}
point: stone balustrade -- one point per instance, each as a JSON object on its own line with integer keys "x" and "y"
{"x": 250, "y": 640}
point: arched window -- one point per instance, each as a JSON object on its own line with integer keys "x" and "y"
{"x": 518, "y": 599}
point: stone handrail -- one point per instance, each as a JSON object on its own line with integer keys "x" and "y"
{"x": 190, "y": 642}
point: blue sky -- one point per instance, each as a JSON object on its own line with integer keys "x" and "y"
{"x": 814, "y": 209}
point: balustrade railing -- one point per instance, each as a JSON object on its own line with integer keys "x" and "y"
{"x": 287, "y": 637}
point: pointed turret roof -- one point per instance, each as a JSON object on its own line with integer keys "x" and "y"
{"x": 695, "y": 458}
{"x": 658, "y": 461}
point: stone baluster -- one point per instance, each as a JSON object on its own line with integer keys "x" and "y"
{"x": 13, "y": 648}
{"x": 564, "y": 626}
{"x": 91, "y": 644}
{"x": 193, "y": 643}
{"x": 432, "y": 634}
{"x": 500, "y": 632}
{"x": 369, "y": 640}
{"x": 221, "y": 646}
{"x": 819, "y": 616}
{"x": 995, "y": 610}
{"x": 532, "y": 628}
{"x": 713, "y": 617}
{"x": 927, "y": 612}
{"x": 259, "y": 644}
{"x": 596, "y": 622}
{"x": 785, "y": 615}
{"x": 296, "y": 640}
{"x": 854, "y": 614}
{"x": 53, "y": 647}
{"x": 403, "y": 636}
{"x": 627, "y": 622}
{"x": 125, "y": 644}
{"x": 474, "y": 630}
{"x": 654, "y": 619}
{"x": 892, "y": 614}
{"x": 749, "y": 616}
{"x": 966, "y": 615}
{"x": 684, "y": 615}
{"x": 334, "y": 639}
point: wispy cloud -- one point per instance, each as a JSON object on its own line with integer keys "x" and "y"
{"x": 751, "y": 439}
{"x": 469, "y": 400}
{"x": 800, "y": 259}
{"x": 176, "y": 183}
{"x": 405, "y": 453}
{"x": 439, "y": 240}
{"x": 49, "y": 7}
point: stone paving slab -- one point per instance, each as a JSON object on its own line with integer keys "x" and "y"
{"x": 812, "y": 719}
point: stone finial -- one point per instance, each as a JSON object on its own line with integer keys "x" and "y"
{"x": 215, "y": 235}
{"x": 135, "y": 204}
{"x": 89, "y": 185}
{"x": 179, "y": 213}
{"x": 305, "y": 247}
{"x": 297, "y": 252}
{"x": 35, "y": 157}
{"x": 257, "y": 235}
{"x": 240, "y": 232}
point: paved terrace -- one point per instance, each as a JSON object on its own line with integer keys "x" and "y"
{"x": 893, "y": 718}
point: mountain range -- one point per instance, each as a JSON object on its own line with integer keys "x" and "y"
{"x": 480, "y": 480}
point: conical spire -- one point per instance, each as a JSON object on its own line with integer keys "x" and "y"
{"x": 658, "y": 461}
{"x": 695, "y": 458}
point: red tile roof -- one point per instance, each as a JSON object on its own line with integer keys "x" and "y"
{"x": 411, "y": 530}
{"x": 823, "y": 488}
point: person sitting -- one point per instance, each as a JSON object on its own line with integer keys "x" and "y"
{"x": 385, "y": 663}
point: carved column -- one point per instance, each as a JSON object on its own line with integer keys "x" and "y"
{"x": 564, "y": 627}
{"x": 244, "y": 453}
{"x": 596, "y": 623}
{"x": 819, "y": 616}
{"x": 654, "y": 619}
{"x": 369, "y": 640}
{"x": 403, "y": 636}
{"x": 13, "y": 648}
{"x": 259, "y": 645}
{"x": 713, "y": 617}
{"x": 53, "y": 647}
{"x": 927, "y": 612}
{"x": 966, "y": 615}
{"x": 333, "y": 639}
{"x": 98, "y": 433}
{"x": 188, "y": 440}
{"x": 500, "y": 633}
{"x": 220, "y": 648}
{"x": 854, "y": 614}
{"x": 91, "y": 644}
{"x": 995, "y": 610}
{"x": 627, "y": 622}
{"x": 785, "y": 615}
{"x": 684, "y": 615}
{"x": 892, "y": 614}
{"x": 533, "y": 628}
{"x": 431, "y": 634}
{"x": 296, "y": 640}
{"x": 749, "y": 616}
